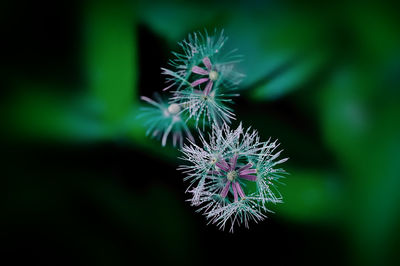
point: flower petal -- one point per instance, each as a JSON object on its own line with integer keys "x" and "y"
{"x": 207, "y": 63}
{"x": 249, "y": 177}
{"x": 247, "y": 166}
{"x": 165, "y": 136}
{"x": 239, "y": 190}
{"x": 169, "y": 86}
{"x": 174, "y": 138}
{"x": 248, "y": 171}
{"x": 225, "y": 190}
{"x": 223, "y": 162}
{"x": 208, "y": 87}
{"x": 222, "y": 166}
{"x": 235, "y": 195}
{"x": 150, "y": 101}
{"x": 233, "y": 162}
{"x": 199, "y": 70}
{"x": 199, "y": 81}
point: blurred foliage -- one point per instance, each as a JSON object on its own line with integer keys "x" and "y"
{"x": 322, "y": 78}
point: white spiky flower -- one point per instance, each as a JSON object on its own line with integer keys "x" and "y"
{"x": 232, "y": 175}
{"x": 204, "y": 78}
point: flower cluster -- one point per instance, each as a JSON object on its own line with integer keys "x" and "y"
{"x": 232, "y": 176}
{"x": 204, "y": 81}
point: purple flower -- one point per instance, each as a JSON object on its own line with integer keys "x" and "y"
{"x": 232, "y": 176}
{"x": 212, "y": 75}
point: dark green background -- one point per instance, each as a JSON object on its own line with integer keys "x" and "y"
{"x": 84, "y": 186}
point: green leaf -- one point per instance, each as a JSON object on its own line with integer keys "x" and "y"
{"x": 311, "y": 196}
{"x": 111, "y": 56}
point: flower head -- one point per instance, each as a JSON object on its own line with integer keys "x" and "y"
{"x": 204, "y": 78}
{"x": 232, "y": 175}
{"x": 211, "y": 74}
{"x": 163, "y": 119}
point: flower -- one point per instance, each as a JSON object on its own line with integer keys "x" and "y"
{"x": 195, "y": 48}
{"x": 204, "y": 78}
{"x": 163, "y": 119}
{"x": 212, "y": 75}
{"x": 232, "y": 176}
